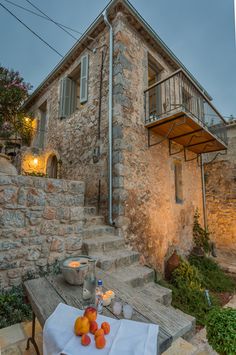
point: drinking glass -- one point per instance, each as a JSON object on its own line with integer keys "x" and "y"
{"x": 127, "y": 311}
{"x": 116, "y": 307}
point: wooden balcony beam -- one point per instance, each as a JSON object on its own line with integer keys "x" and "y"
{"x": 204, "y": 142}
{"x": 186, "y": 134}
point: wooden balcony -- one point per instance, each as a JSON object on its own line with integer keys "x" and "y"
{"x": 177, "y": 110}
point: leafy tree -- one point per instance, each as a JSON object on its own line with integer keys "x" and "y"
{"x": 13, "y": 92}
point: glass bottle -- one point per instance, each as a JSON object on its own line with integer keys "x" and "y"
{"x": 99, "y": 297}
{"x": 89, "y": 286}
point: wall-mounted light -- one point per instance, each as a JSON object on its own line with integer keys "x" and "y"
{"x": 35, "y": 161}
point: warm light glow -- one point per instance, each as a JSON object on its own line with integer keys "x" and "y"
{"x": 74, "y": 264}
{"x": 110, "y": 294}
{"x": 106, "y": 300}
{"x": 26, "y": 119}
{"x": 35, "y": 161}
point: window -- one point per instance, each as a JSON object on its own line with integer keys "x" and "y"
{"x": 41, "y": 126}
{"x": 178, "y": 182}
{"x": 155, "y": 93}
{"x": 52, "y": 167}
{"x": 74, "y": 89}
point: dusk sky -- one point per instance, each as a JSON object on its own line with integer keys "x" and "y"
{"x": 201, "y": 33}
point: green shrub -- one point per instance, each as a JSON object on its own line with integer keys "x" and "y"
{"x": 200, "y": 235}
{"x": 13, "y": 308}
{"x": 221, "y": 330}
{"x": 213, "y": 278}
{"x": 187, "y": 276}
{"x": 37, "y": 174}
{"x": 190, "y": 301}
{"x": 188, "y": 293}
{"x": 193, "y": 302}
{"x": 190, "y": 279}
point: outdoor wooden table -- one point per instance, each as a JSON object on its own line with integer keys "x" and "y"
{"x": 44, "y": 294}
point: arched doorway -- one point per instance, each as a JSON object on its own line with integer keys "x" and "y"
{"x": 52, "y": 167}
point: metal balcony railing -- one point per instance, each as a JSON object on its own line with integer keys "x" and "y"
{"x": 178, "y": 93}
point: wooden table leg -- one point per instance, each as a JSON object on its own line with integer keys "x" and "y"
{"x": 32, "y": 338}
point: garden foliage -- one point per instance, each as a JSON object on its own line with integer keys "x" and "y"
{"x": 200, "y": 235}
{"x": 13, "y": 308}
{"x": 221, "y": 330}
{"x": 13, "y": 92}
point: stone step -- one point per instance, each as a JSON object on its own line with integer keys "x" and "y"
{"x": 93, "y": 220}
{"x": 102, "y": 244}
{"x": 134, "y": 275}
{"x": 173, "y": 321}
{"x": 156, "y": 293}
{"x": 116, "y": 258}
{"x": 98, "y": 231}
{"x": 181, "y": 347}
{"x": 227, "y": 264}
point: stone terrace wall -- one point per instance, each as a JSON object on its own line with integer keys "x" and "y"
{"x": 40, "y": 221}
{"x": 221, "y": 196}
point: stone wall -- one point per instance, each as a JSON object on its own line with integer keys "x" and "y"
{"x": 221, "y": 196}
{"x": 41, "y": 220}
{"x": 144, "y": 206}
{"x": 149, "y": 216}
{"x": 75, "y": 138}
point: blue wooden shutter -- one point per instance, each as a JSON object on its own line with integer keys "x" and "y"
{"x": 61, "y": 99}
{"x": 84, "y": 79}
{"x": 42, "y": 127}
{"x": 67, "y": 97}
{"x": 73, "y": 103}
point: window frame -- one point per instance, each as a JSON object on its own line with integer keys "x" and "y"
{"x": 178, "y": 182}
{"x": 70, "y": 85}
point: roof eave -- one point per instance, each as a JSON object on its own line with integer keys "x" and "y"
{"x": 153, "y": 34}
{"x": 92, "y": 27}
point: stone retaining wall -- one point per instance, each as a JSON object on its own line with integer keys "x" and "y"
{"x": 41, "y": 220}
{"x": 221, "y": 196}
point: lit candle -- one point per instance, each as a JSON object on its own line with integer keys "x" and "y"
{"x": 74, "y": 264}
{"x": 106, "y": 300}
{"x": 111, "y": 294}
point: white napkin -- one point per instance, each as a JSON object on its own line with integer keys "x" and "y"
{"x": 126, "y": 337}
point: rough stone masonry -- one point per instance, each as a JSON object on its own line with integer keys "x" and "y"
{"x": 221, "y": 196}
{"x": 144, "y": 204}
{"x": 41, "y": 220}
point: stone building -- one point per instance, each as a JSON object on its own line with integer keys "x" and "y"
{"x": 220, "y": 173}
{"x": 121, "y": 113}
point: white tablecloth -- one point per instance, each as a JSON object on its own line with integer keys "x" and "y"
{"x": 126, "y": 337}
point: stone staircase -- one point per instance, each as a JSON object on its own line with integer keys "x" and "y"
{"x": 103, "y": 243}
{"x": 227, "y": 262}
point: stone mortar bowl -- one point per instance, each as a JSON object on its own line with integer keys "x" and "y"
{"x": 75, "y": 275}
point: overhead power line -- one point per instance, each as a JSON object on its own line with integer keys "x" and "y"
{"x": 50, "y": 19}
{"x": 44, "y": 17}
{"x": 38, "y": 36}
{"x": 56, "y": 23}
